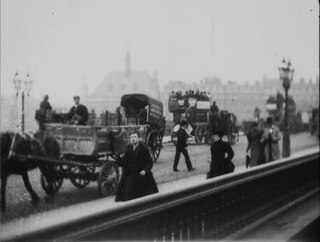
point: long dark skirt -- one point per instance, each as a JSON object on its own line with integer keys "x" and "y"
{"x": 135, "y": 186}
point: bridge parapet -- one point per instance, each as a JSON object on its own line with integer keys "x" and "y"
{"x": 221, "y": 208}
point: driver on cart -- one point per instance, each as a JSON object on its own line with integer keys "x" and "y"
{"x": 78, "y": 114}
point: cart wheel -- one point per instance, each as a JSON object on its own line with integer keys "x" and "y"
{"x": 108, "y": 179}
{"x": 154, "y": 144}
{"x": 82, "y": 171}
{"x": 51, "y": 183}
{"x": 199, "y": 133}
{"x": 208, "y": 139}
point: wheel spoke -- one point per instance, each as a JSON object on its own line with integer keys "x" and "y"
{"x": 108, "y": 179}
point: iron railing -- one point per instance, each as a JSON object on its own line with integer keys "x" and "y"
{"x": 220, "y": 208}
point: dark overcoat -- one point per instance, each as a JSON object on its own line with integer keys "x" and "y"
{"x": 45, "y": 105}
{"x": 132, "y": 185}
{"x": 80, "y": 113}
{"x": 256, "y": 147}
{"x": 220, "y": 164}
{"x": 182, "y": 141}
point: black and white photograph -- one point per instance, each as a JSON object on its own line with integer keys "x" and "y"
{"x": 159, "y": 120}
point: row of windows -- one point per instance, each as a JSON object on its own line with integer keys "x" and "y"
{"x": 123, "y": 87}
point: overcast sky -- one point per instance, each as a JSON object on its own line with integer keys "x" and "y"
{"x": 64, "y": 43}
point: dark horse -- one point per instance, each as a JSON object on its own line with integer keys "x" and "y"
{"x": 17, "y": 151}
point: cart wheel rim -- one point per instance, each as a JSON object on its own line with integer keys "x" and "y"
{"x": 108, "y": 180}
{"x": 199, "y": 135}
{"x": 82, "y": 171}
{"x": 154, "y": 143}
{"x": 51, "y": 184}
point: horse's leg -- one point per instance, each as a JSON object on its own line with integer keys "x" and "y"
{"x": 47, "y": 173}
{"x": 4, "y": 178}
{"x": 35, "y": 198}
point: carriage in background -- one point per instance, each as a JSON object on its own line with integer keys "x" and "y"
{"x": 145, "y": 113}
{"x": 226, "y": 122}
{"x": 201, "y": 117}
{"x": 195, "y": 110}
{"x": 89, "y": 153}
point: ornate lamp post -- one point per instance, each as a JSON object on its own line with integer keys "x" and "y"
{"x": 24, "y": 86}
{"x": 286, "y": 75}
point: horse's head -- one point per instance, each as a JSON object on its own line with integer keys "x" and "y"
{"x": 21, "y": 144}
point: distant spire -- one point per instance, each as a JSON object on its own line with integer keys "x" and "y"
{"x": 128, "y": 62}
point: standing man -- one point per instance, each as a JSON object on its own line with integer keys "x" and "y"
{"x": 181, "y": 147}
{"x": 221, "y": 156}
{"x": 137, "y": 179}
{"x": 255, "y": 145}
{"x": 45, "y": 105}
{"x": 271, "y": 137}
{"x": 43, "y": 113}
{"x": 78, "y": 114}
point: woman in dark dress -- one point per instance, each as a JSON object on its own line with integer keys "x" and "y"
{"x": 221, "y": 156}
{"x": 137, "y": 179}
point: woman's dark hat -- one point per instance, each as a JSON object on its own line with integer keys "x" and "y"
{"x": 218, "y": 132}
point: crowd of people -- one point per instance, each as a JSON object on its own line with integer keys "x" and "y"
{"x": 137, "y": 178}
{"x": 263, "y": 143}
{"x": 199, "y": 95}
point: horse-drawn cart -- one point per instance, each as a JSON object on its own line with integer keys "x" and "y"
{"x": 84, "y": 157}
{"x": 90, "y": 153}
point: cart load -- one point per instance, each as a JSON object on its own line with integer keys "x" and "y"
{"x": 139, "y": 110}
{"x": 96, "y": 141}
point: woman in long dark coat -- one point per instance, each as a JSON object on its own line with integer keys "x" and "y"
{"x": 221, "y": 156}
{"x": 137, "y": 179}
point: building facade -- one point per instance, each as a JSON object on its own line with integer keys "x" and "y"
{"x": 108, "y": 95}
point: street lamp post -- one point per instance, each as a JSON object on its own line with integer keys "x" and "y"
{"x": 286, "y": 75}
{"x": 26, "y": 87}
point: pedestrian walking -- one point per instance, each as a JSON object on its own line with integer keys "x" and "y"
{"x": 221, "y": 156}
{"x": 182, "y": 147}
{"x": 271, "y": 138}
{"x": 255, "y": 146}
{"x": 137, "y": 179}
